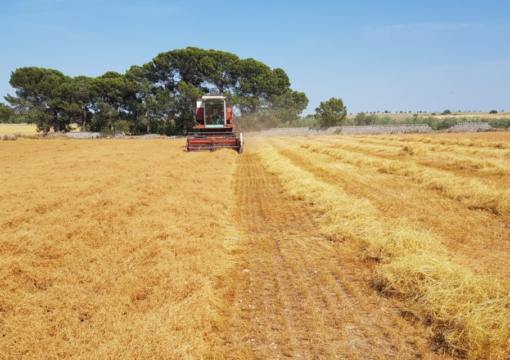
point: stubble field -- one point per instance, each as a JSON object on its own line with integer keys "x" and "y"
{"x": 407, "y": 115}
{"x": 15, "y": 128}
{"x": 364, "y": 247}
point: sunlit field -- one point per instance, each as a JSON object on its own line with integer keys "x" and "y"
{"x": 471, "y": 115}
{"x": 26, "y": 129}
{"x": 14, "y": 129}
{"x": 432, "y": 211}
{"x": 301, "y": 247}
{"x": 111, "y": 249}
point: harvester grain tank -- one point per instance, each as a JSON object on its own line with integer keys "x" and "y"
{"x": 214, "y": 126}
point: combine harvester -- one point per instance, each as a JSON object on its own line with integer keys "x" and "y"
{"x": 214, "y": 127}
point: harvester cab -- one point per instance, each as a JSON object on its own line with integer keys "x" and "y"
{"x": 214, "y": 126}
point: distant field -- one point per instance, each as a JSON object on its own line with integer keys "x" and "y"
{"x": 14, "y": 129}
{"x": 485, "y": 115}
{"x": 25, "y": 129}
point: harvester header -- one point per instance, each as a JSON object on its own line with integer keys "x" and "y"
{"x": 214, "y": 126}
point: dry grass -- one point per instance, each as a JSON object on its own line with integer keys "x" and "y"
{"x": 136, "y": 249}
{"x": 461, "y": 141}
{"x": 14, "y": 129}
{"x": 26, "y": 129}
{"x": 472, "y": 192}
{"x": 484, "y": 153}
{"x": 485, "y": 115}
{"x": 112, "y": 249}
{"x": 483, "y": 161}
{"x": 470, "y": 311}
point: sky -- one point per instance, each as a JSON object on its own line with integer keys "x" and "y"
{"x": 411, "y": 55}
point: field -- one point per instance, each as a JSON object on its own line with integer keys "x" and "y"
{"x": 362, "y": 247}
{"x": 15, "y": 128}
{"x": 26, "y": 129}
{"x": 484, "y": 115}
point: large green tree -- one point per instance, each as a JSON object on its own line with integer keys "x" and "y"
{"x": 153, "y": 105}
{"x": 6, "y": 112}
{"x": 41, "y": 89}
{"x": 159, "y": 96}
{"x": 332, "y": 112}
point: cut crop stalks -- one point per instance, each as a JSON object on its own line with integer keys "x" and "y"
{"x": 478, "y": 143}
{"x": 492, "y": 155}
{"x": 471, "y": 192}
{"x": 470, "y": 312}
{"x": 420, "y": 153}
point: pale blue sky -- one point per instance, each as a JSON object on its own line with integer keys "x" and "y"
{"x": 375, "y": 55}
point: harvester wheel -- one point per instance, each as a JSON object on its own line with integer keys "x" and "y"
{"x": 240, "y": 150}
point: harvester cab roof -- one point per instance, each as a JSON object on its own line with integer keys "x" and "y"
{"x": 214, "y": 126}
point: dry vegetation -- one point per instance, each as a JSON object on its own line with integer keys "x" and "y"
{"x": 394, "y": 205}
{"x": 27, "y": 129}
{"x": 111, "y": 249}
{"x": 14, "y": 129}
{"x": 407, "y": 115}
{"x": 323, "y": 247}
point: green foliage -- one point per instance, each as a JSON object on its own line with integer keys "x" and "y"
{"x": 309, "y": 121}
{"x": 365, "y": 119}
{"x": 106, "y": 118}
{"x": 332, "y": 112}
{"x": 186, "y": 105}
{"x": 446, "y": 112}
{"x": 6, "y": 113}
{"x": 493, "y": 112}
{"x": 159, "y": 96}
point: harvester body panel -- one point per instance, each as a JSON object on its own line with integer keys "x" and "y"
{"x": 214, "y": 126}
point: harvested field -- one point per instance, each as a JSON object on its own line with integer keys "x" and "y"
{"x": 14, "y": 129}
{"x": 111, "y": 249}
{"x": 484, "y": 114}
{"x": 349, "y": 247}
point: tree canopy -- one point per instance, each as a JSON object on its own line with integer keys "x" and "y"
{"x": 158, "y": 96}
{"x": 332, "y": 112}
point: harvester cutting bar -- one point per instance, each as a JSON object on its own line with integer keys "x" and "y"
{"x": 214, "y": 140}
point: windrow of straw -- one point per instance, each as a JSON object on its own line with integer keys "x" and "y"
{"x": 420, "y": 151}
{"x": 472, "y": 313}
{"x": 471, "y": 192}
{"x": 492, "y": 154}
{"x": 449, "y": 141}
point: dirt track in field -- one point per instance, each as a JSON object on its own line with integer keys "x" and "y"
{"x": 300, "y": 295}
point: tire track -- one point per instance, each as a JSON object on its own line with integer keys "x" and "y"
{"x": 300, "y": 295}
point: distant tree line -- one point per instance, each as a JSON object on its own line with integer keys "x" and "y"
{"x": 435, "y": 123}
{"x": 157, "y": 97}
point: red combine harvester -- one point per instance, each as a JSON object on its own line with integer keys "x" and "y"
{"x": 215, "y": 127}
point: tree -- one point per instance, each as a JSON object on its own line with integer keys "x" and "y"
{"x": 185, "y": 106}
{"x": 41, "y": 90}
{"x": 106, "y": 118}
{"x": 287, "y": 107}
{"x": 152, "y": 104}
{"x": 493, "y": 112}
{"x": 156, "y": 97}
{"x": 258, "y": 84}
{"x": 332, "y": 112}
{"x": 6, "y": 113}
{"x": 446, "y": 112}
